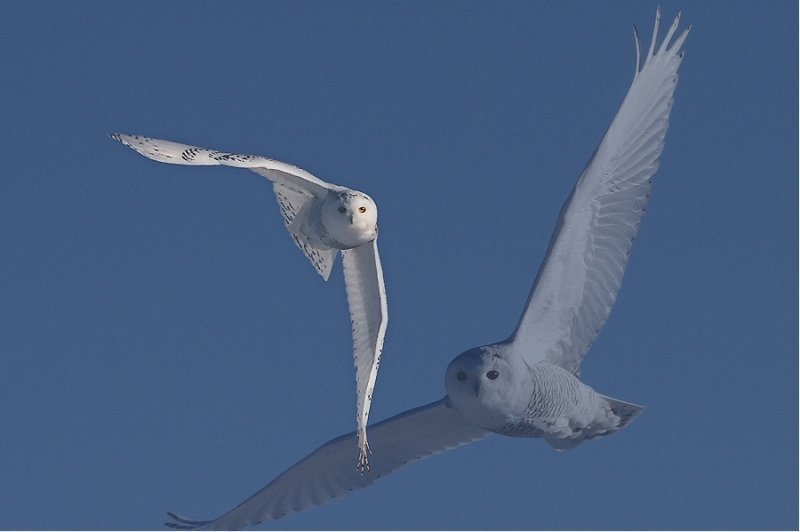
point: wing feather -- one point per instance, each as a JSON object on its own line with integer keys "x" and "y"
{"x": 366, "y": 297}
{"x": 580, "y": 277}
{"x": 294, "y": 188}
{"x": 293, "y": 205}
{"x": 328, "y": 472}
{"x": 169, "y": 152}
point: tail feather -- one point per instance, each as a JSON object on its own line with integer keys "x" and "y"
{"x": 626, "y": 412}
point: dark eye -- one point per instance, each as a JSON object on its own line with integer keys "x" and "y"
{"x": 342, "y": 210}
{"x": 362, "y": 209}
{"x": 461, "y": 376}
{"x": 492, "y": 374}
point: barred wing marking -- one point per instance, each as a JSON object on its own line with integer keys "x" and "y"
{"x": 166, "y": 151}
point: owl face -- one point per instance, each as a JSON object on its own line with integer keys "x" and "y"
{"x": 350, "y": 218}
{"x": 481, "y": 385}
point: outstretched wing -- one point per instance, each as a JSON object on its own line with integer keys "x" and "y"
{"x": 366, "y": 297}
{"x": 166, "y": 151}
{"x": 294, "y": 187}
{"x": 328, "y": 472}
{"x": 579, "y": 279}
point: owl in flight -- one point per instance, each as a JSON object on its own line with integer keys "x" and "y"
{"x": 323, "y": 219}
{"x": 527, "y": 385}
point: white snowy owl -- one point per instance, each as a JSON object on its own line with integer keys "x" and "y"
{"x": 526, "y": 385}
{"x": 323, "y": 219}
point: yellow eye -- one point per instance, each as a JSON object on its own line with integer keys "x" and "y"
{"x": 362, "y": 209}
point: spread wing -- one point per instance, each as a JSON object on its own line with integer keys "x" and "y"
{"x": 366, "y": 297}
{"x": 328, "y": 472}
{"x": 581, "y": 275}
{"x": 294, "y": 188}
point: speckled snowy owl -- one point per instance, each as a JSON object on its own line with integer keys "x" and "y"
{"x": 323, "y": 219}
{"x": 527, "y": 385}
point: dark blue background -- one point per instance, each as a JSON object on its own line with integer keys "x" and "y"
{"x": 166, "y": 347}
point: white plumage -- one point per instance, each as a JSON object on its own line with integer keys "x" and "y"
{"x": 323, "y": 219}
{"x": 527, "y": 385}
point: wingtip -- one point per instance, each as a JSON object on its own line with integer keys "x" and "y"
{"x": 182, "y": 523}
{"x": 654, "y": 39}
{"x": 362, "y": 465}
{"x": 176, "y": 526}
{"x": 636, "y": 41}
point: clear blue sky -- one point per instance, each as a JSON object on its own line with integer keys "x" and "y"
{"x": 165, "y": 346}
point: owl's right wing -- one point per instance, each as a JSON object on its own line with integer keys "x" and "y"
{"x": 328, "y": 472}
{"x": 294, "y": 187}
{"x": 581, "y": 275}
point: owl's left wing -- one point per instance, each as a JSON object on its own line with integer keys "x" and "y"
{"x": 366, "y": 297}
{"x": 579, "y": 279}
{"x": 328, "y": 472}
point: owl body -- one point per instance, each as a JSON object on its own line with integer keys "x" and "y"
{"x": 498, "y": 391}
{"x": 561, "y": 409}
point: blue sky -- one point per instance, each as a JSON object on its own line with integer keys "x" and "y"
{"x": 166, "y": 347}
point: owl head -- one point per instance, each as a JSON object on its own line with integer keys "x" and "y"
{"x": 481, "y": 383}
{"x": 350, "y": 218}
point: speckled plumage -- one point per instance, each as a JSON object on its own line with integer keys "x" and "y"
{"x": 323, "y": 219}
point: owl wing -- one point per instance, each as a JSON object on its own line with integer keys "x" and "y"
{"x": 328, "y": 472}
{"x": 581, "y": 275}
{"x": 294, "y": 187}
{"x": 294, "y": 205}
{"x": 366, "y": 297}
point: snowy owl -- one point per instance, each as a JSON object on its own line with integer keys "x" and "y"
{"x": 323, "y": 219}
{"x": 527, "y": 385}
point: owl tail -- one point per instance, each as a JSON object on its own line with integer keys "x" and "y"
{"x": 626, "y": 412}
